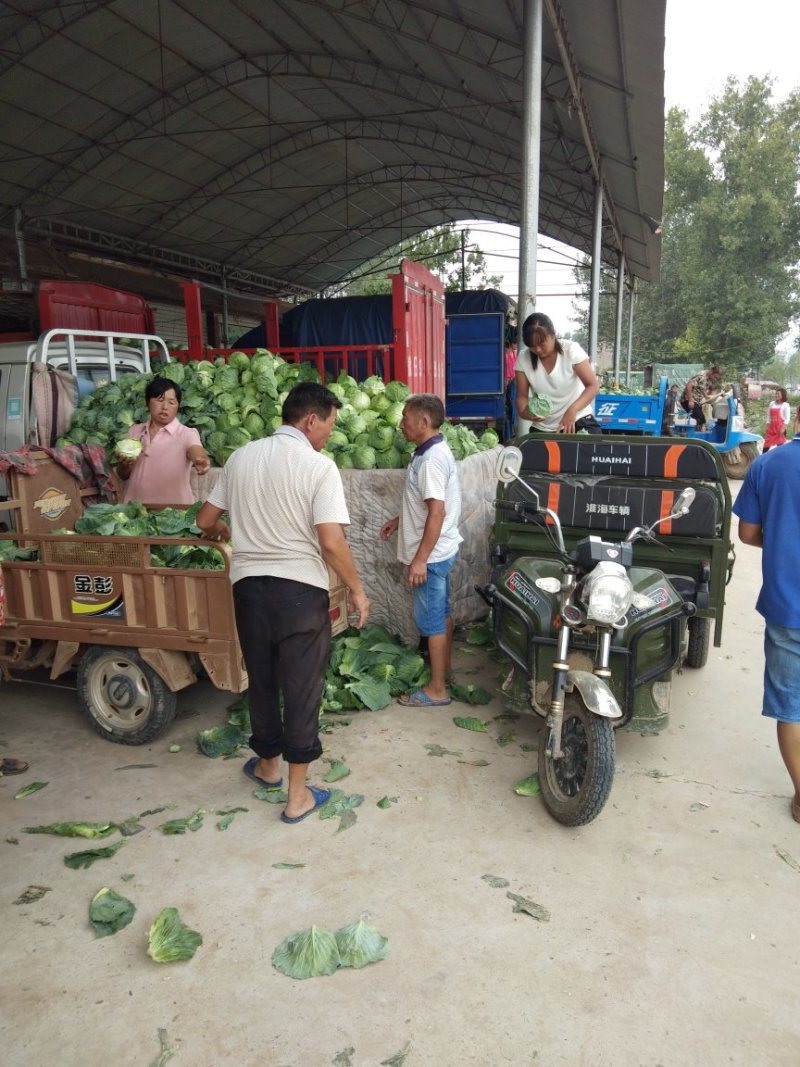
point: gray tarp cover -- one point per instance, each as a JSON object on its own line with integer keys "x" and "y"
{"x": 372, "y": 498}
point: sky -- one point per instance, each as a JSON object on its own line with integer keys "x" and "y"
{"x": 706, "y": 41}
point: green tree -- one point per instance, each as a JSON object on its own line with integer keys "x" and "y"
{"x": 730, "y": 233}
{"x": 442, "y": 250}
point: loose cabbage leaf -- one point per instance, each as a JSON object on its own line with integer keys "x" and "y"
{"x": 228, "y": 815}
{"x": 372, "y": 693}
{"x": 338, "y": 803}
{"x": 338, "y": 771}
{"x": 109, "y": 912}
{"x": 528, "y": 787}
{"x": 310, "y": 953}
{"x": 83, "y": 860}
{"x": 222, "y": 741}
{"x": 529, "y": 907}
{"x": 477, "y": 725}
{"x": 171, "y": 939}
{"x": 360, "y": 944}
{"x": 495, "y": 881}
{"x": 27, "y": 790}
{"x": 272, "y": 794}
{"x": 470, "y": 694}
{"x": 192, "y": 822}
{"x": 74, "y": 829}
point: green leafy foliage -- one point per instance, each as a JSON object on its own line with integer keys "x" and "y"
{"x": 528, "y": 787}
{"x": 315, "y": 952}
{"x": 312, "y": 953}
{"x": 28, "y": 790}
{"x": 219, "y": 741}
{"x": 476, "y": 725}
{"x": 171, "y": 939}
{"x": 360, "y": 944}
{"x": 233, "y": 403}
{"x": 109, "y": 912}
{"x": 191, "y": 822}
{"x": 338, "y": 771}
{"x": 83, "y": 860}
{"x": 367, "y": 669}
{"x": 10, "y": 552}
{"x": 74, "y": 829}
{"x": 338, "y": 803}
{"x": 539, "y": 406}
{"x": 470, "y": 694}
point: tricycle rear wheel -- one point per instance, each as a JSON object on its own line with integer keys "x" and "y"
{"x": 122, "y": 696}
{"x": 575, "y": 787}
{"x": 699, "y": 641}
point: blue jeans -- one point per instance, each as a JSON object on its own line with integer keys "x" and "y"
{"x": 781, "y": 673}
{"x": 431, "y": 600}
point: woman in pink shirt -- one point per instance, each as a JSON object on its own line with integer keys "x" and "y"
{"x": 160, "y": 474}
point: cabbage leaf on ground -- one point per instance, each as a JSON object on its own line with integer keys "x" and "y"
{"x": 74, "y": 829}
{"x": 171, "y": 939}
{"x": 109, "y": 912}
{"x": 360, "y": 944}
{"x": 311, "y": 953}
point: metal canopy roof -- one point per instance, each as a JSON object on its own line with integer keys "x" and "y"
{"x": 282, "y": 143}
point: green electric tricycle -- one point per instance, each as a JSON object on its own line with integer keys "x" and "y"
{"x": 610, "y": 561}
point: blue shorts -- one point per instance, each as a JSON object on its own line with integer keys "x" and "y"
{"x": 781, "y": 673}
{"x": 431, "y": 600}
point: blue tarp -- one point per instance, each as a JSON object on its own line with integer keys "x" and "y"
{"x": 360, "y": 320}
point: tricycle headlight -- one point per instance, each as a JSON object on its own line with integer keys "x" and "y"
{"x": 607, "y": 593}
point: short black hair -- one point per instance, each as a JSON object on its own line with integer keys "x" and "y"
{"x": 427, "y": 404}
{"x": 156, "y": 389}
{"x": 309, "y": 398}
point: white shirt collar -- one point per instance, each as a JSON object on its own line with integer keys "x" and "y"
{"x": 291, "y": 431}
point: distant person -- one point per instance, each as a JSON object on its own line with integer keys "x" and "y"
{"x": 703, "y": 388}
{"x": 428, "y": 540}
{"x": 559, "y": 371}
{"x": 768, "y": 506}
{"x": 778, "y": 416}
{"x": 161, "y": 473}
{"x": 670, "y": 407}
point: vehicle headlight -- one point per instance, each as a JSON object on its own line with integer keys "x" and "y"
{"x": 607, "y": 593}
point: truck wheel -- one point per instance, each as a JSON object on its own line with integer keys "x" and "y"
{"x": 575, "y": 787}
{"x": 737, "y": 469}
{"x": 699, "y": 641}
{"x": 123, "y": 698}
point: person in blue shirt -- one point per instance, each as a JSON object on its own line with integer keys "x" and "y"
{"x": 768, "y": 507}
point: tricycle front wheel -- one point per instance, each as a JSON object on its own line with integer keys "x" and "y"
{"x": 575, "y": 787}
{"x": 122, "y": 696}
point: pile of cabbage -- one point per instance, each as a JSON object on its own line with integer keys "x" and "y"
{"x": 233, "y": 401}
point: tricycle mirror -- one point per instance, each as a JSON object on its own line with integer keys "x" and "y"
{"x": 509, "y": 464}
{"x": 684, "y": 501}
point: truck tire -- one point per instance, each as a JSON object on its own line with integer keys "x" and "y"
{"x": 738, "y": 468}
{"x": 575, "y": 788}
{"x": 123, "y": 698}
{"x": 699, "y": 641}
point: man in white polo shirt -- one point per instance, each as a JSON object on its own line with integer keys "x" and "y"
{"x": 287, "y": 509}
{"x": 428, "y": 539}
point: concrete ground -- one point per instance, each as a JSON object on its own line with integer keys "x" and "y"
{"x": 674, "y": 934}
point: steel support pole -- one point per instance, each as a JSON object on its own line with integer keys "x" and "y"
{"x": 531, "y": 157}
{"x": 531, "y": 153}
{"x": 631, "y": 302}
{"x": 618, "y": 317}
{"x": 594, "y": 296}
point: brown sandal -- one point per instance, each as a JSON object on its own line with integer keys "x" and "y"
{"x": 13, "y": 766}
